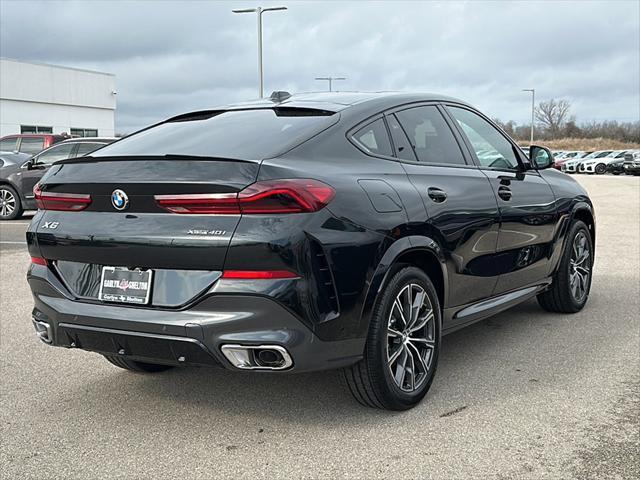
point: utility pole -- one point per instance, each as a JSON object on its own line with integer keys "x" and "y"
{"x": 259, "y": 11}
{"x": 533, "y": 107}
{"x": 331, "y": 79}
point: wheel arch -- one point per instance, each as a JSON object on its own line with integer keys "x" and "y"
{"x": 584, "y": 213}
{"x": 422, "y": 252}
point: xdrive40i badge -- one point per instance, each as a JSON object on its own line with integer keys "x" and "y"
{"x": 213, "y": 233}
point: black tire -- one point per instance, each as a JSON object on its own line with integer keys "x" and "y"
{"x": 10, "y": 203}
{"x": 370, "y": 380}
{"x": 600, "y": 169}
{"x": 559, "y": 297}
{"x": 134, "y": 366}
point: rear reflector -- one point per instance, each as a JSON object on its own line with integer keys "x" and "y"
{"x": 60, "y": 201}
{"x": 268, "y": 197}
{"x": 39, "y": 261}
{"x": 258, "y": 274}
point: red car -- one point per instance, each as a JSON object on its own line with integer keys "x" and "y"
{"x": 30, "y": 143}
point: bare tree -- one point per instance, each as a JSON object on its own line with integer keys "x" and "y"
{"x": 553, "y": 115}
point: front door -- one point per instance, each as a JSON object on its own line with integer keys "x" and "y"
{"x": 528, "y": 216}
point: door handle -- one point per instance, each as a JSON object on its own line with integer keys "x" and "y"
{"x": 504, "y": 192}
{"x": 436, "y": 194}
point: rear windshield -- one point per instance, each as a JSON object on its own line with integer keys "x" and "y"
{"x": 244, "y": 134}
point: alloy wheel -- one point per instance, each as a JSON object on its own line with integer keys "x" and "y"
{"x": 7, "y": 203}
{"x": 579, "y": 267}
{"x": 410, "y": 338}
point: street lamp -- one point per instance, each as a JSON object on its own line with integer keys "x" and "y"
{"x": 259, "y": 11}
{"x": 533, "y": 107}
{"x": 330, "y": 79}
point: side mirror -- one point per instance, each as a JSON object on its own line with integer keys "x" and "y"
{"x": 540, "y": 157}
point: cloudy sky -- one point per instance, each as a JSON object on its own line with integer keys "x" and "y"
{"x": 174, "y": 56}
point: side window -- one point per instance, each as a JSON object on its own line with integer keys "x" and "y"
{"x": 86, "y": 148}
{"x": 59, "y": 152}
{"x": 491, "y": 147}
{"x": 31, "y": 144}
{"x": 8, "y": 144}
{"x": 400, "y": 140}
{"x": 430, "y": 136}
{"x": 374, "y": 138}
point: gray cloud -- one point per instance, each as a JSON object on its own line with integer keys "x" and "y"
{"x": 174, "y": 56}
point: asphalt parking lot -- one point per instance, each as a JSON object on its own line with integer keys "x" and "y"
{"x": 526, "y": 394}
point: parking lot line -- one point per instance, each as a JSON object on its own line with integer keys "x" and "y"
{"x": 12, "y": 243}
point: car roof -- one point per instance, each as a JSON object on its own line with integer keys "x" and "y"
{"x": 332, "y": 101}
{"x": 90, "y": 139}
{"x": 27, "y": 135}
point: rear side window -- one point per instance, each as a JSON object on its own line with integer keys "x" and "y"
{"x": 31, "y": 144}
{"x": 430, "y": 136}
{"x": 374, "y": 138}
{"x": 243, "y": 134}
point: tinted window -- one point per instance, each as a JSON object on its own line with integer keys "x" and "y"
{"x": 8, "y": 145}
{"x": 404, "y": 150}
{"x": 31, "y": 144}
{"x": 85, "y": 148}
{"x": 374, "y": 138}
{"x": 430, "y": 136}
{"x": 491, "y": 147}
{"x": 248, "y": 134}
{"x": 55, "y": 153}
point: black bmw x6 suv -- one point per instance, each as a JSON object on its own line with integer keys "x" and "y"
{"x": 302, "y": 233}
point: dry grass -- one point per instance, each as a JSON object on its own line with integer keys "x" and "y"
{"x": 585, "y": 144}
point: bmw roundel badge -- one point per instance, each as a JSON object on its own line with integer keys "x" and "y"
{"x": 119, "y": 200}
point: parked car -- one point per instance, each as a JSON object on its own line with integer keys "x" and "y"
{"x": 303, "y": 233}
{"x": 11, "y": 158}
{"x": 557, "y": 164}
{"x": 616, "y": 166}
{"x": 18, "y": 179}
{"x": 571, "y": 166}
{"x": 30, "y": 143}
{"x": 599, "y": 165}
{"x": 632, "y": 163}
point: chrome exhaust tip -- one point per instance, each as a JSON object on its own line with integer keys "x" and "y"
{"x": 258, "y": 357}
{"x": 43, "y": 331}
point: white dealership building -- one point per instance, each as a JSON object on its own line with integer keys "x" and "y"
{"x": 39, "y": 98}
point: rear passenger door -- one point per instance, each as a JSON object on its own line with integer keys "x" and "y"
{"x": 460, "y": 208}
{"x": 526, "y": 202}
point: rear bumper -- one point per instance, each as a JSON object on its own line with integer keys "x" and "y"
{"x": 191, "y": 336}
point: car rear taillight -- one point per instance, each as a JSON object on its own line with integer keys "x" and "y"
{"x": 72, "y": 202}
{"x": 258, "y": 274}
{"x": 268, "y": 197}
{"x": 39, "y": 261}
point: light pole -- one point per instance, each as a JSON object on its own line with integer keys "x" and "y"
{"x": 533, "y": 107}
{"x": 259, "y": 11}
{"x": 331, "y": 79}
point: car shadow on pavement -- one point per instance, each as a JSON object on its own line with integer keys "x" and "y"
{"x": 480, "y": 361}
